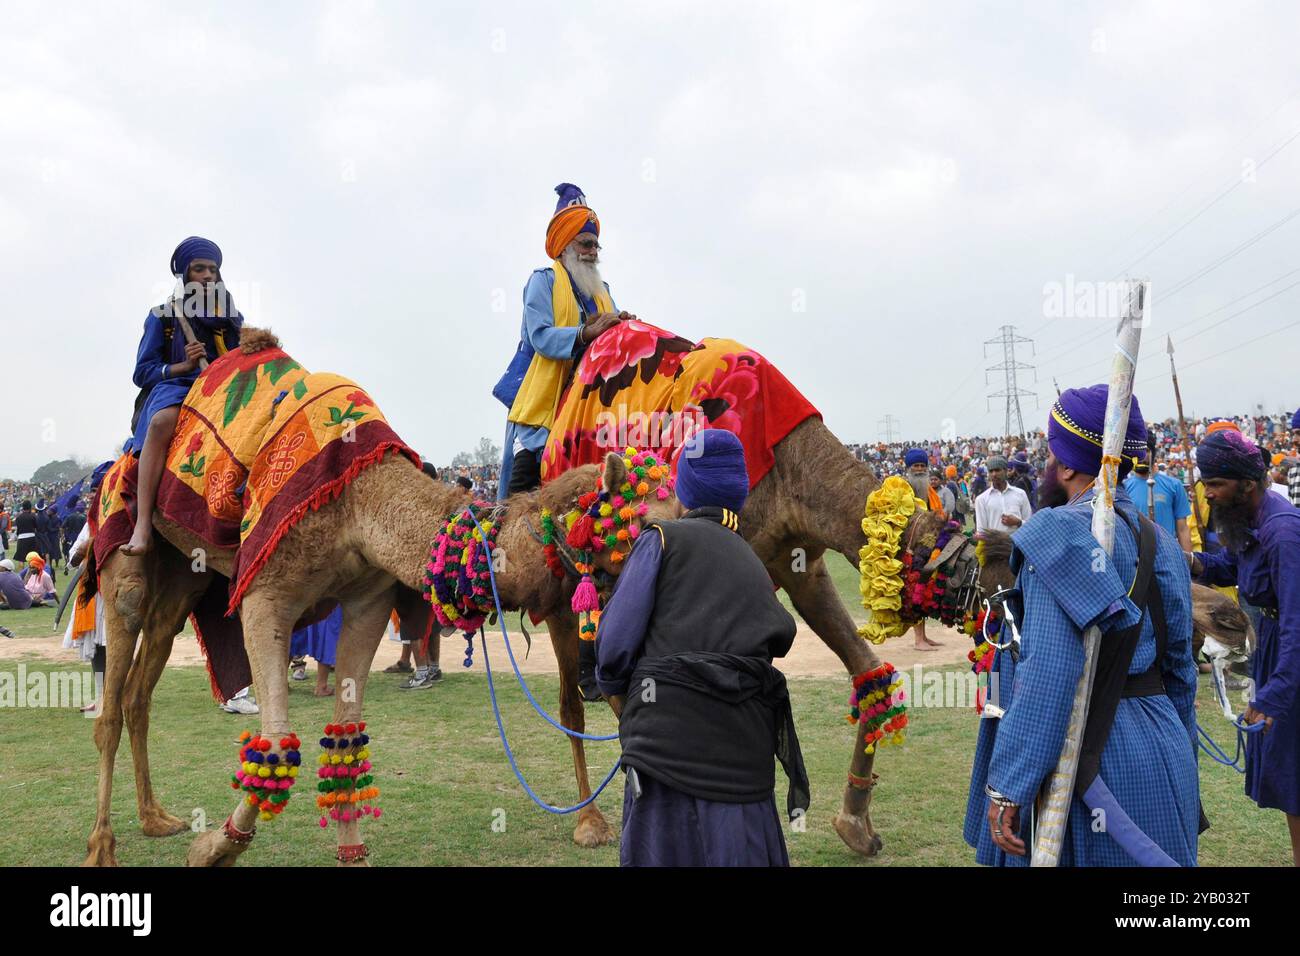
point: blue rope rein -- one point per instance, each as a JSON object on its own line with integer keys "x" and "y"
{"x": 496, "y": 709}
{"x": 1212, "y": 749}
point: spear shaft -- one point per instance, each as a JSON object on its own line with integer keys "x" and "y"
{"x": 1182, "y": 422}
{"x": 1054, "y": 804}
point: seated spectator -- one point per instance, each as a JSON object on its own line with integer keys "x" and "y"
{"x": 37, "y": 582}
{"x": 13, "y": 595}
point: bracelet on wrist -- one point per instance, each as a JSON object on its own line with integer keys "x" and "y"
{"x": 998, "y": 798}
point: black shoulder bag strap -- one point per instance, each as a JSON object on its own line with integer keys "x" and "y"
{"x": 1114, "y": 656}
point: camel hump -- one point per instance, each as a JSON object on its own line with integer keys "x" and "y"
{"x": 256, "y": 340}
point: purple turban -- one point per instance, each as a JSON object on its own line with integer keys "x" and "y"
{"x": 571, "y": 195}
{"x": 711, "y": 471}
{"x": 1020, "y": 461}
{"x": 1229, "y": 454}
{"x": 916, "y": 456}
{"x": 1295, "y": 419}
{"x": 1074, "y": 431}
{"x": 195, "y": 247}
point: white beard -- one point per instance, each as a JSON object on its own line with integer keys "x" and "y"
{"x": 584, "y": 275}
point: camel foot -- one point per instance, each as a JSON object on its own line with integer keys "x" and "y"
{"x": 213, "y": 849}
{"x": 99, "y": 850}
{"x": 157, "y": 822}
{"x": 857, "y": 834}
{"x": 592, "y": 829}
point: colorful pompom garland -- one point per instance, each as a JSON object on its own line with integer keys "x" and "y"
{"x": 610, "y": 521}
{"x": 457, "y": 578}
{"x": 266, "y": 775}
{"x": 876, "y": 702}
{"x": 549, "y": 547}
{"x": 346, "y": 785}
{"x": 981, "y": 656}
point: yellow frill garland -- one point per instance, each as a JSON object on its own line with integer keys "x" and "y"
{"x": 888, "y": 509}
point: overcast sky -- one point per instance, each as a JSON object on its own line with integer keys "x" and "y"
{"x": 863, "y": 193}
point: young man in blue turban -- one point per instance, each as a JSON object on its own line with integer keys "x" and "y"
{"x": 684, "y": 654}
{"x": 167, "y": 363}
{"x": 1137, "y": 802}
{"x": 1260, "y": 535}
{"x": 566, "y": 307}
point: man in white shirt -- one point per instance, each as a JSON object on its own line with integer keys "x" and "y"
{"x": 1003, "y": 507}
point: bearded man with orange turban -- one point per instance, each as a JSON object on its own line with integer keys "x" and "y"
{"x": 566, "y": 306}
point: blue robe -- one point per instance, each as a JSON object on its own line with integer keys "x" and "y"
{"x": 320, "y": 641}
{"x": 1267, "y": 572}
{"x": 538, "y": 334}
{"x": 664, "y": 826}
{"x": 151, "y": 362}
{"x": 1149, "y": 762}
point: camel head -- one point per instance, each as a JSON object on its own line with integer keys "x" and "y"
{"x": 994, "y": 551}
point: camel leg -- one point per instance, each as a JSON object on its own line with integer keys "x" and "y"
{"x": 268, "y": 625}
{"x": 363, "y": 629}
{"x": 815, "y": 598}
{"x": 170, "y": 609}
{"x": 592, "y": 828}
{"x": 122, "y": 595}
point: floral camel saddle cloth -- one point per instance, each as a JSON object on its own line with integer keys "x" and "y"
{"x": 259, "y": 442}
{"x": 639, "y": 386}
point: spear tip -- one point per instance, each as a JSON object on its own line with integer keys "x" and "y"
{"x": 1169, "y": 343}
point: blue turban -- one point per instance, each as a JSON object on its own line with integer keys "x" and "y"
{"x": 1295, "y": 419}
{"x": 711, "y": 471}
{"x": 1019, "y": 461}
{"x": 1229, "y": 454}
{"x": 571, "y": 195}
{"x": 195, "y": 247}
{"x": 1074, "y": 431}
{"x": 916, "y": 456}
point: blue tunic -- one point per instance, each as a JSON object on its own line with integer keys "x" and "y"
{"x": 1267, "y": 572}
{"x": 664, "y": 826}
{"x": 1149, "y": 761}
{"x": 538, "y": 334}
{"x": 319, "y": 641}
{"x": 151, "y": 362}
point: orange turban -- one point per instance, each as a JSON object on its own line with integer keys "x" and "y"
{"x": 1223, "y": 424}
{"x": 951, "y": 471}
{"x": 565, "y": 226}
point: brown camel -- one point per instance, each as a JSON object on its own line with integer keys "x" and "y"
{"x": 1214, "y": 614}
{"x": 366, "y": 550}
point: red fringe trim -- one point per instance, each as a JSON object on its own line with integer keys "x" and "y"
{"x": 207, "y": 660}
{"x": 321, "y": 496}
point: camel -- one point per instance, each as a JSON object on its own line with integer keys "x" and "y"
{"x": 1214, "y": 614}
{"x": 367, "y": 550}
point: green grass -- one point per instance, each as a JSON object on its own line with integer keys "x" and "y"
{"x": 444, "y": 776}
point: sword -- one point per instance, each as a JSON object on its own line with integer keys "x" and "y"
{"x": 67, "y": 595}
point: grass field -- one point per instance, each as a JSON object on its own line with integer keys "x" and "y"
{"x": 445, "y": 779}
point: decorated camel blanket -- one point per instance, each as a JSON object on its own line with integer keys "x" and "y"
{"x": 642, "y": 387}
{"x": 259, "y": 442}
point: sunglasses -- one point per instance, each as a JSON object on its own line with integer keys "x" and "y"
{"x": 587, "y": 244}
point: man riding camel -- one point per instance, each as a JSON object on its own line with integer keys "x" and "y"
{"x": 566, "y": 307}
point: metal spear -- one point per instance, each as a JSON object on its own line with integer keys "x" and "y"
{"x": 1054, "y": 804}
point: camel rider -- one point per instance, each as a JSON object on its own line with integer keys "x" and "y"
{"x": 685, "y": 651}
{"x": 167, "y": 364}
{"x": 566, "y": 307}
{"x": 1139, "y": 745}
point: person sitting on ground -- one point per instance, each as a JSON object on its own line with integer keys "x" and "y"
{"x": 13, "y": 595}
{"x": 684, "y": 655}
{"x": 168, "y": 362}
{"x": 38, "y": 582}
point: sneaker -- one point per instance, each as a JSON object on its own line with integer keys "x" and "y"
{"x": 419, "y": 681}
{"x": 299, "y": 672}
{"x": 399, "y": 668}
{"x": 241, "y": 705}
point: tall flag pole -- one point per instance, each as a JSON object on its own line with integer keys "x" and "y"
{"x": 1182, "y": 422}
{"x": 1054, "y": 802}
